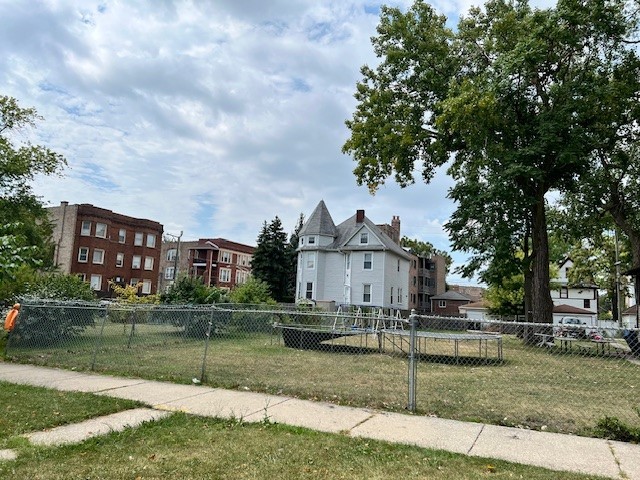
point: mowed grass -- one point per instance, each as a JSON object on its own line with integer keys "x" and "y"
{"x": 189, "y": 447}
{"x": 533, "y": 387}
{"x": 25, "y": 409}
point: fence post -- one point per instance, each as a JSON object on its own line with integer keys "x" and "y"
{"x": 206, "y": 347}
{"x": 413, "y": 320}
{"x": 99, "y": 340}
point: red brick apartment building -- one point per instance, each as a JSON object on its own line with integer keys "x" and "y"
{"x": 99, "y": 245}
{"x": 220, "y": 262}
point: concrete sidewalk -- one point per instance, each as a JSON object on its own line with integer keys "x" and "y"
{"x": 550, "y": 450}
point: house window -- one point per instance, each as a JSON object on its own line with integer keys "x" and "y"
{"x": 101, "y": 230}
{"x": 122, "y": 235}
{"x": 312, "y": 240}
{"x": 368, "y": 261}
{"x": 136, "y": 261}
{"x": 309, "y": 292}
{"x": 311, "y": 260}
{"x": 169, "y": 273}
{"x": 85, "y": 231}
{"x": 564, "y": 292}
{"x": 301, "y": 241}
{"x": 148, "y": 263}
{"x": 98, "y": 256}
{"x": 391, "y": 294}
{"x": 171, "y": 254}
{"x": 225, "y": 275}
{"x": 398, "y": 264}
{"x": 364, "y": 238}
{"x": 146, "y": 287}
{"x": 399, "y": 295}
{"x": 83, "y": 255}
{"x": 137, "y": 241}
{"x": 119, "y": 259}
{"x": 225, "y": 257}
{"x": 442, "y": 303}
{"x": 96, "y": 282}
{"x": 366, "y": 293}
{"x": 587, "y": 303}
{"x": 151, "y": 240}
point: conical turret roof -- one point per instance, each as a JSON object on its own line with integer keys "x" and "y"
{"x": 319, "y": 223}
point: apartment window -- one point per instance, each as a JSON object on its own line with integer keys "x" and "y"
{"x": 85, "y": 231}
{"x": 366, "y": 293}
{"x": 136, "y": 261}
{"x": 242, "y": 260}
{"x": 225, "y": 257}
{"x": 311, "y": 260}
{"x": 98, "y": 256}
{"x": 312, "y": 240}
{"x": 587, "y": 303}
{"x": 442, "y": 303}
{"x": 82, "y": 276}
{"x": 225, "y": 275}
{"x": 137, "y": 241}
{"x": 122, "y": 235}
{"x": 241, "y": 277}
{"x": 101, "y": 230}
{"x": 171, "y": 254}
{"x": 169, "y": 273}
{"x": 83, "y": 255}
{"x": 148, "y": 263}
{"x": 414, "y": 280}
{"x": 96, "y": 282}
{"x": 146, "y": 287}
{"x": 364, "y": 238}
{"x": 151, "y": 240}
{"x": 134, "y": 282}
{"x": 368, "y": 261}
{"x": 309, "y": 291}
{"x": 119, "y": 259}
{"x": 564, "y": 292}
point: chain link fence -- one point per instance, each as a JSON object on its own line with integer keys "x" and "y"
{"x": 519, "y": 374}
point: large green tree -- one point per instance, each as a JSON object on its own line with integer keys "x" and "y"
{"x": 513, "y": 100}
{"x": 25, "y": 239}
{"x": 270, "y": 261}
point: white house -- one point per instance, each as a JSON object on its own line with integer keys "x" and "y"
{"x": 353, "y": 263}
{"x": 580, "y": 301}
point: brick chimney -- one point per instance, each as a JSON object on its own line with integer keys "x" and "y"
{"x": 359, "y": 216}
{"x": 395, "y": 225}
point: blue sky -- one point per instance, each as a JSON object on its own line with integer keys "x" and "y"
{"x": 207, "y": 116}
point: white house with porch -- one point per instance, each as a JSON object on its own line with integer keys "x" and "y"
{"x": 353, "y": 263}
{"x": 569, "y": 300}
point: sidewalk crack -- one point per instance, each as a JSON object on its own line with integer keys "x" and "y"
{"x": 360, "y": 423}
{"x": 475, "y": 440}
{"x": 616, "y": 459}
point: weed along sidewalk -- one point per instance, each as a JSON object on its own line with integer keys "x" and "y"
{"x": 549, "y": 450}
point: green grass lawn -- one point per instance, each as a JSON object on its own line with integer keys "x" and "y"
{"x": 189, "y": 447}
{"x": 533, "y": 387}
{"x": 25, "y": 409}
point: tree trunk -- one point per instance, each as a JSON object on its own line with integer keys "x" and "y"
{"x": 541, "y": 304}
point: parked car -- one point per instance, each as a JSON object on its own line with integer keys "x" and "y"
{"x": 574, "y": 327}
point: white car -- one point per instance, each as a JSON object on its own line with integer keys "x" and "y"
{"x": 574, "y": 327}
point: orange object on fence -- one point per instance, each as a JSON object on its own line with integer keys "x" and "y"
{"x": 10, "y": 321}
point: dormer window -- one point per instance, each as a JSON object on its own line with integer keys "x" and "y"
{"x": 312, "y": 240}
{"x": 364, "y": 238}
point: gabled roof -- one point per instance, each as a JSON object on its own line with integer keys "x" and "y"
{"x": 570, "y": 309}
{"x": 452, "y": 295}
{"x": 350, "y": 227}
{"x": 319, "y": 223}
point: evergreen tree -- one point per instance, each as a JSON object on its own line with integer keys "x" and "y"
{"x": 270, "y": 259}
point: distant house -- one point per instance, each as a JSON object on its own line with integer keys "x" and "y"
{"x": 353, "y": 263}
{"x": 579, "y": 300}
{"x": 220, "y": 262}
{"x": 630, "y": 317}
{"x": 101, "y": 246}
{"x": 476, "y": 310}
{"x": 426, "y": 279}
{"x": 448, "y": 303}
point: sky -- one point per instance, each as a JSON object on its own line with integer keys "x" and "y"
{"x": 210, "y": 117}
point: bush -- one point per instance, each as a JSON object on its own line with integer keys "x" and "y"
{"x": 46, "y": 324}
{"x": 60, "y": 287}
{"x": 192, "y": 291}
{"x": 614, "y": 429}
